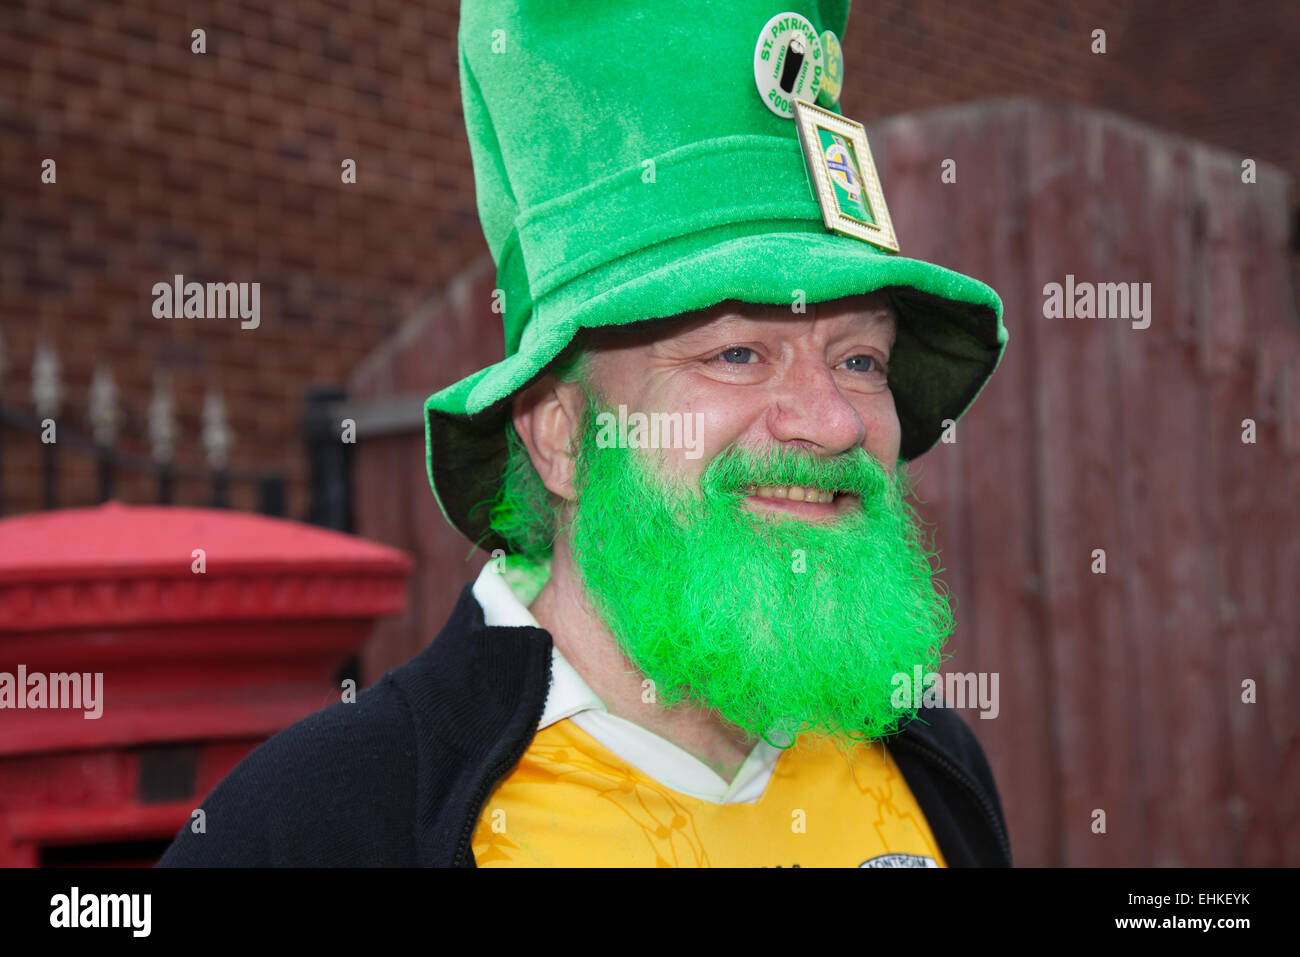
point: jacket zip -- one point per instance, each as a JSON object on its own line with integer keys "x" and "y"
{"x": 499, "y": 770}
{"x": 941, "y": 761}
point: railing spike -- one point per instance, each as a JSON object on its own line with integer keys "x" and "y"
{"x": 217, "y": 437}
{"x": 103, "y": 413}
{"x": 47, "y": 390}
{"x": 162, "y": 418}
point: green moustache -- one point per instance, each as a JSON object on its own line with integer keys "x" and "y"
{"x": 737, "y": 468}
{"x": 782, "y": 626}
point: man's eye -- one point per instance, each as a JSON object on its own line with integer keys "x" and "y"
{"x": 738, "y": 355}
{"x": 863, "y": 364}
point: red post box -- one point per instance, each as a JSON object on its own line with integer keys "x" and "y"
{"x": 144, "y": 650}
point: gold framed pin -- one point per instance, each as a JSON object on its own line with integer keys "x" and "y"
{"x": 843, "y": 175}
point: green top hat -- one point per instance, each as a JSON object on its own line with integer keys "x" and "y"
{"x": 637, "y": 162}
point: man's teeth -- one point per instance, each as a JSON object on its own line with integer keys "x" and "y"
{"x": 794, "y": 493}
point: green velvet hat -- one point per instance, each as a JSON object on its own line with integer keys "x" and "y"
{"x": 635, "y": 162}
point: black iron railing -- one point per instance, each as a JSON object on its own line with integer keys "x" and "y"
{"x": 329, "y": 465}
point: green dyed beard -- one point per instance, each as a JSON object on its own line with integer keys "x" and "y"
{"x": 781, "y": 626}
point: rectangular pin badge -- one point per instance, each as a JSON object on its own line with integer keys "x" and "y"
{"x": 844, "y": 175}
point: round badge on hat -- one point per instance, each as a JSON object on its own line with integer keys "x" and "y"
{"x": 788, "y": 62}
{"x": 833, "y": 77}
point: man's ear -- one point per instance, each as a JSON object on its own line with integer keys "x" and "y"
{"x": 547, "y": 416}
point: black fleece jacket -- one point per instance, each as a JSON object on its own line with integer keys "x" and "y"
{"x": 399, "y": 778}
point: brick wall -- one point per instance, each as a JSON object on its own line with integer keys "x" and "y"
{"x": 225, "y": 166}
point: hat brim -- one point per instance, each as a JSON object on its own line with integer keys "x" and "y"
{"x": 950, "y": 338}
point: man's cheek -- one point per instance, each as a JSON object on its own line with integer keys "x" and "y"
{"x": 677, "y": 467}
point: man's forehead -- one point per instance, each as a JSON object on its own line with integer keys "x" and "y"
{"x": 850, "y": 314}
{"x": 872, "y": 308}
{"x": 870, "y": 311}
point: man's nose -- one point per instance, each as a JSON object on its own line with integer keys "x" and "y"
{"x": 808, "y": 408}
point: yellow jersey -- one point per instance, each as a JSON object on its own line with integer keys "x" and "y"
{"x": 571, "y": 802}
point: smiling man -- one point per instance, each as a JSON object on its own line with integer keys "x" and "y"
{"x": 727, "y": 629}
{"x": 681, "y": 653}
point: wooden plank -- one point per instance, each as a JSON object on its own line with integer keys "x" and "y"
{"x": 1259, "y": 485}
{"x": 1075, "y": 420}
{"x": 1002, "y": 558}
{"x": 1178, "y": 529}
